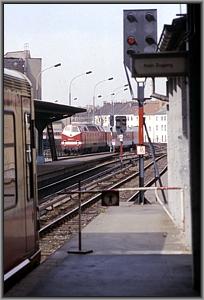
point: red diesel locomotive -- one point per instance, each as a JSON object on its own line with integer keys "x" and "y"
{"x": 90, "y": 138}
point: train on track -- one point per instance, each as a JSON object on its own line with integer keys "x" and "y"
{"x": 20, "y": 217}
{"x": 79, "y": 138}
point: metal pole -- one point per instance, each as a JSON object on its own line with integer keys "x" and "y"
{"x": 156, "y": 170}
{"x": 79, "y": 216}
{"x": 93, "y": 121}
{"x": 38, "y": 75}
{"x": 93, "y": 116}
{"x": 140, "y": 90}
{"x": 121, "y": 152}
{"x": 80, "y": 251}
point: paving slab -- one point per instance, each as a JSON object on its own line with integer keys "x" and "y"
{"x": 137, "y": 252}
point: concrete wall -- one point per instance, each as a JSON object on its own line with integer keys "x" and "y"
{"x": 178, "y": 153}
{"x": 32, "y": 69}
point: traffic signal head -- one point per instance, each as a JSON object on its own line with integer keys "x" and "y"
{"x": 111, "y": 120}
{"x": 140, "y": 33}
{"x": 123, "y": 122}
{"x": 120, "y": 124}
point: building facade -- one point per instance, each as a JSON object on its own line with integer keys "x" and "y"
{"x": 155, "y": 114}
{"x": 31, "y": 67}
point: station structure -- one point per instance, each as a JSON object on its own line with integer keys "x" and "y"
{"x": 45, "y": 112}
{"x": 177, "y": 58}
{"x": 184, "y": 120}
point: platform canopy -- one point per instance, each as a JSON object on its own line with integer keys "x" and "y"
{"x": 47, "y": 112}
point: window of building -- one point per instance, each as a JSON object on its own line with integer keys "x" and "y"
{"x": 156, "y": 127}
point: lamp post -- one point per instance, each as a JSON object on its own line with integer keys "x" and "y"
{"x": 101, "y": 81}
{"x": 38, "y": 75}
{"x": 86, "y": 73}
{"x": 122, "y": 86}
{"x": 115, "y": 94}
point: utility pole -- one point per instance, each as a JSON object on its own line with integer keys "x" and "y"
{"x": 140, "y": 93}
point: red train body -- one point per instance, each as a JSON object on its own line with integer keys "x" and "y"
{"x": 83, "y": 138}
{"x": 90, "y": 138}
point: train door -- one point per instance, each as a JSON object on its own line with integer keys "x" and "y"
{"x": 29, "y": 175}
{"x": 14, "y": 213}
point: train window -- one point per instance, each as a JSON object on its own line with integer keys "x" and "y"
{"x": 10, "y": 197}
{"x": 67, "y": 128}
{"x": 27, "y": 119}
{"x": 100, "y": 128}
{"x": 75, "y": 129}
{"x": 28, "y": 137}
{"x": 92, "y": 128}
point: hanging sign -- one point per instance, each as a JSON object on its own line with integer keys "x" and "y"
{"x": 161, "y": 64}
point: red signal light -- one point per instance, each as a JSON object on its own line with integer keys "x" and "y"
{"x": 131, "y": 41}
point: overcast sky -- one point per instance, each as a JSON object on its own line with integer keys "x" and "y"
{"x": 81, "y": 37}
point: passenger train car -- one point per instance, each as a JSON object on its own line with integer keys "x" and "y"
{"x": 90, "y": 138}
{"x": 20, "y": 217}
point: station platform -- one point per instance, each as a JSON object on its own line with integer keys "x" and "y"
{"x": 49, "y": 168}
{"x": 136, "y": 252}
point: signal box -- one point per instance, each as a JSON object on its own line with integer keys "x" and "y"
{"x": 121, "y": 125}
{"x": 140, "y": 33}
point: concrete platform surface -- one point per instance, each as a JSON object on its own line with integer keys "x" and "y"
{"x": 137, "y": 252}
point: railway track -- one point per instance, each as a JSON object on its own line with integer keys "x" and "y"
{"x": 60, "y": 221}
{"x": 70, "y": 176}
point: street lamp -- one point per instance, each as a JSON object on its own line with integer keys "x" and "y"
{"x": 111, "y": 78}
{"x": 38, "y": 75}
{"x": 86, "y": 73}
{"x": 122, "y": 86}
{"x": 119, "y": 92}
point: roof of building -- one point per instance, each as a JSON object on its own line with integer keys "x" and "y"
{"x": 151, "y": 107}
{"x": 173, "y": 36}
{"x": 154, "y": 107}
{"x": 118, "y": 108}
{"x": 18, "y": 54}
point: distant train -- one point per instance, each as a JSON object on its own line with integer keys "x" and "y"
{"x": 90, "y": 138}
{"x": 20, "y": 217}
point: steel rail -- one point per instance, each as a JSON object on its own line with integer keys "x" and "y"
{"x": 89, "y": 202}
{"x": 82, "y": 174}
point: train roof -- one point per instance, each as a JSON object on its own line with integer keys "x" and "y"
{"x": 83, "y": 124}
{"x": 16, "y": 74}
{"x": 17, "y": 81}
